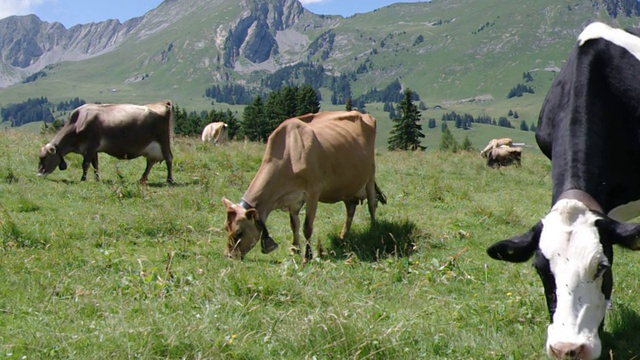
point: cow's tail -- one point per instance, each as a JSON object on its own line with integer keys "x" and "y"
{"x": 380, "y": 196}
{"x": 172, "y": 119}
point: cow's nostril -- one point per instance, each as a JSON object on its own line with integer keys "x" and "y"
{"x": 568, "y": 351}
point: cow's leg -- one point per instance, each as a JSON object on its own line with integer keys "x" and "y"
{"x": 372, "y": 202}
{"x": 87, "y": 159}
{"x": 147, "y": 170}
{"x": 94, "y": 163}
{"x": 168, "y": 158}
{"x": 351, "y": 210}
{"x": 294, "y": 221}
{"x": 312, "y": 207}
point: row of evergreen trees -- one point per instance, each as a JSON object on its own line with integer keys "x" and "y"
{"x": 261, "y": 117}
{"x": 190, "y": 123}
{"x": 37, "y": 109}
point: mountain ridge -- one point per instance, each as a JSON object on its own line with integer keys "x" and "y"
{"x": 448, "y": 51}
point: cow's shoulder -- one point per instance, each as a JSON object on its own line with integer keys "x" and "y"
{"x": 330, "y": 122}
{"x": 292, "y": 142}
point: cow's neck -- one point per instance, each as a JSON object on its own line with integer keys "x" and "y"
{"x": 263, "y": 193}
{"x": 578, "y": 158}
{"x": 64, "y": 140}
{"x": 583, "y": 197}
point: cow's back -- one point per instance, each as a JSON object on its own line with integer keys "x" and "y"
{"x": 329, "y": 152}
{"x": 122, "y": 130}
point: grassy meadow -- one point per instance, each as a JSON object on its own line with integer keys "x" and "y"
{"x": 113, "y": 269}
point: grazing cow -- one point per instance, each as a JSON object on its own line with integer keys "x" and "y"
{"x": 216, "y": 131}
{"x": 589, "y": 127}
{"x": 325, "y": 157}
{"x": 504, "y": 156}
{"x": 124, "y": 131}
{"x": 496, "y": 143}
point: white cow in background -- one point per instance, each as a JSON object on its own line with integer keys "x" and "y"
{"x": 216, "y": 132}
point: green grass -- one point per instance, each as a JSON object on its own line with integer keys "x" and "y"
{"x": 114, "y": 269}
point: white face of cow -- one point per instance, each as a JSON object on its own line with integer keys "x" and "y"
{"x": 570, "y": 243}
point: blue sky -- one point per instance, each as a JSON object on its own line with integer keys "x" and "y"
{"x": 73, "y": 12}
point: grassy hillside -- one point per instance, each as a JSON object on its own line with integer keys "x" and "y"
{"x": 469, "y": 49}
{"x": 114, "y": 269}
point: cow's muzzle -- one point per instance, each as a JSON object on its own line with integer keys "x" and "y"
{"x": 569, "y": 351}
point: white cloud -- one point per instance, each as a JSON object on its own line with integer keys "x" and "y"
{"x": 17, "y": 7}
{"x": 303, "y": 2}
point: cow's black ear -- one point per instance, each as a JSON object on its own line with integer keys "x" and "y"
{"x": 624, "y": 234}
{"x": 519, "y": 248}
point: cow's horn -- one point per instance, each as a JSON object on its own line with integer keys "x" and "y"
{"x": 50, "y": 148}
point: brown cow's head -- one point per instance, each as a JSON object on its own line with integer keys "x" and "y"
{"x": 244, "y": 229}
{"x": 49, "y": 159}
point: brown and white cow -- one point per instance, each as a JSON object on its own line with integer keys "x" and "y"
{"x": 216, "y": 132}
{"x": 496, "y": 143}
{"x": 324, "y": 157}
{"x": 504, "y": 156}
{"x": 124, "y": 131}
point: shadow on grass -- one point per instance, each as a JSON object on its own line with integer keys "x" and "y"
{"x": 622, "y": 341}
{"x": 111, "y": 182}
{"x": 378, "y": 241}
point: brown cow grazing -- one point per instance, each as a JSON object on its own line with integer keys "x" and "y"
{"x": 216, "y": 132}
{"x": 325, "y": 157}
{"x": 496, "y": 143}
{"x": 123, "y": 131}
{"x": 504, "y": 156}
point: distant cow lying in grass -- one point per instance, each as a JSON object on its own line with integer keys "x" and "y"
{"x": 124, "y": 131}
{"x": 325, "y": 157}
{"x": 504, "y": 156}
{"x": 496, "y": 143}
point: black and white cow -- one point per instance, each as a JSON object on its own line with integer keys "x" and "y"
{"x": 589, "y": 127}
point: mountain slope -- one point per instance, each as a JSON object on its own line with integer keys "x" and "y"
{"x": 448, "y": 51}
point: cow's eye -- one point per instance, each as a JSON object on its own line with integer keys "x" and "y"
{"x": 602, "y": 267}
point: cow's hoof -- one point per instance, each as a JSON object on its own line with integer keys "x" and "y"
{"x": 268, "y": 245}
{"x": 308, "y": 254}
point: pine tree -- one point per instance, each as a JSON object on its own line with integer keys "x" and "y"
{"x": 254, "y": 123}
{"x": 307, "y": 100}
{"x": 349, "y": 105}
{"x": 233, "y": 123}
{"x": 466, "y": 144}
{"x": 274, "y": 111}
{"x": 448, "y": 142}
{"x": 407, "y": 131}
